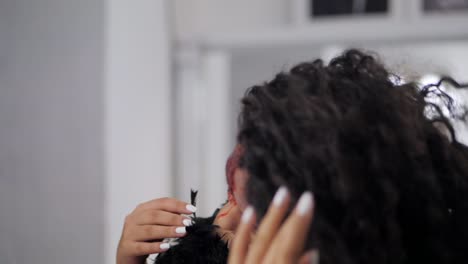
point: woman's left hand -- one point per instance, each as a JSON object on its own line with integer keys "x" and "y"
{"x": 275, "y": 242}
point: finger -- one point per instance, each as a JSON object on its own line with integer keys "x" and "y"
{"x": 289, "y": 242}
{"x": 145, "y": 248}
{"x": 152, "y": 232}
{"x": 269, "y": 226}
{"x": 311, "y": 257}
{"x": 158, "y": 217}
{"x": 242, "y": 238}
{"x": 169, "y": 205}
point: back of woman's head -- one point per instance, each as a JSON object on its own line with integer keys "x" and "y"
{"x": 389, "y": 186}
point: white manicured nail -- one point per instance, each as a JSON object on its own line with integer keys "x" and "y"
{"x": 180, "y": 230}
{"x": 247, "y": 214}
{"x": 305, "y": 203}
{"x": 315, "y": 258}
{"x": 279, "y": 196}
{"x": 164, "y": 246}
{"x": 191, "y": 208}
{"x": 187, "y": 222}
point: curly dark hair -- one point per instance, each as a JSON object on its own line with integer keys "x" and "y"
{"x": 390, "y": 187}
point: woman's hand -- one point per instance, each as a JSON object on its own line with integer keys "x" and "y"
{"x": 275, "y": 242}
{"x": 148, "y": 225}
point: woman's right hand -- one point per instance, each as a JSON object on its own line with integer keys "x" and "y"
{"x": 146, "y": 227}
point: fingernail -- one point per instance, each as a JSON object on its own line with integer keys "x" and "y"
{"x": 305, "y": 203}
{"x": 279, "y": 196}
{"x": 315, "y": 257}
{"x": 180, "y": 230}
{"x": 187, "y": 222}
{"x": 164, "y": 246}
{"x": 191, "y": 208}
{"x": 247, "y": 214}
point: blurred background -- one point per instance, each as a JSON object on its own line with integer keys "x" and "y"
{"x": 108, "y": 103}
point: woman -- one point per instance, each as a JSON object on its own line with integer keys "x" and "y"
{"x": 389, "y": 177}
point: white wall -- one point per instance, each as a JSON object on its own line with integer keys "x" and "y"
{"x": 138, "y": 104}
{"x": 85, "y": 124}
{"x": 51, "y": 149}
{"x": 202, "y": 17}
{"x": 204, "y": 140}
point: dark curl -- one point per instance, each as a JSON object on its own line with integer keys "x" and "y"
{"x": 390, "y": 186}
